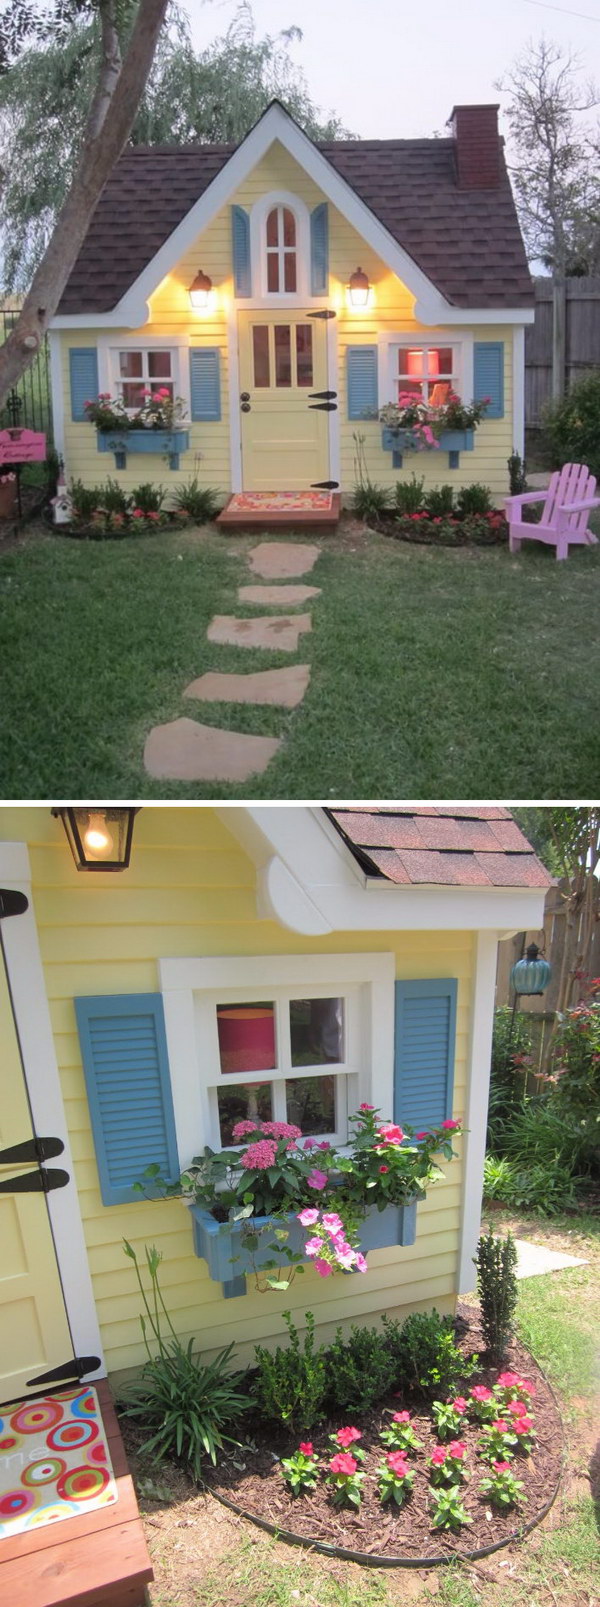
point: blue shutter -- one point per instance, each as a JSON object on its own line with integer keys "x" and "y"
{"x": 83, "y": 369}
{"x": 124, "y": 1051}
{"x": 240, "y": 245}
{"x": 424, "y": 1052}
{"x": 205, "y": 386}
{"x": 319, "y": 250}
{"x": 362, "y": 381}
{"x": 488, "y": 375}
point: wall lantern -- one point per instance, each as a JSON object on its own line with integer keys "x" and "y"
{"x": 532, "y": 973}
{"x": 99, "y": 839}
{"x": 200, "y": 291}
{"x": 358, "y": 287}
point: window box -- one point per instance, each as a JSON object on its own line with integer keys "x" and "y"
{"x": 218, "y": 1242}
{"x": 451, "y": 441}
{"x": 168, "y": 442}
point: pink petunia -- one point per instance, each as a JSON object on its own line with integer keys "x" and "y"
{"x": 313, "y": 1246}
{"x": 317, "y": 1179}
{"x": 308, "y": 1216}
{"x": 332, "y": 1222}
{"x": 360, "y": 1262}
{"x": 343, "y": 1463}
{"x": 347, "y": 1436}
{"x": 323, "y": 1268}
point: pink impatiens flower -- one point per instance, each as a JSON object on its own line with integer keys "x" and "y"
{"x": 522, "y": 1425}
{"x": 457, "y": 1449}
{"x": 347, "y": 1436}
{"x": 306, "y": 1447}
{"x": 508, "y": 1380}
{"x": 519, "y": 1408}
{"x": 308, "y": 1216}
{"x": 502, "y": 1427}
{"x": 316, "y": 1179}
{"x": 261, "y": 1155}
{"x": 343, "y": 1463}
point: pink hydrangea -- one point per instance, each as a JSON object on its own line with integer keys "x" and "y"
{"x": 260, "y": 1156}
{"x": 316, "y": 1179}
{"x": 343, "y": 1463}
{"x": 308, "y": 1216}
{"x": 347, "y": 1436}
{"x": 281, "y": 1129}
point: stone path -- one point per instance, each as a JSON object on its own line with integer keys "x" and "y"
{"x": 184, "y": 750}
{"x": 534, "y": 1259}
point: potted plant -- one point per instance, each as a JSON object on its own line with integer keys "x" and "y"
{"x": 276, "y": 1202}
{"x": 154, "y": 427}
{"x": 412, "y": 424}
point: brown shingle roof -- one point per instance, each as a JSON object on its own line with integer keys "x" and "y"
{"x": 478, "y": 846}
{"x": 466, "y": 241}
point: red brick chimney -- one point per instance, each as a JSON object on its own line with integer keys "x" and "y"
{"x": 475, "y": 132}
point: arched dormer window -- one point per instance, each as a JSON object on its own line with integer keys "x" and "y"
{"x": 281, "y": 251}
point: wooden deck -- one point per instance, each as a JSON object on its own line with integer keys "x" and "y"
{"x": 98, "y": 1559}
{"x": 301, "y": 519}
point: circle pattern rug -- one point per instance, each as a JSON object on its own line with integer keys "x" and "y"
{"x": 54, "y": 1460}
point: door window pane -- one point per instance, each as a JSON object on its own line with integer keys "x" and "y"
{"x": 283, "y": 355}
{"x": 272, "y": 270}
{"x": 260, "y": 339}
{"x": 289, "y": 270}
{"x": 311, "y": 1103}
{"x": 304, "y": 356}
{"x": 316, "y": 1031}
{"x": 289, "y": 227}
{"x": 246, "y": 1037}
{"x": 131, "y": 365}
{"x": 243, "y": 1102}
{"x": 159, "y": 365}
{"x": 272, "y": 228}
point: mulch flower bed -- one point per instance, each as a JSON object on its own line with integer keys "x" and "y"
{"x": 252, "y": 1477}
{"x": 477, "y": 530}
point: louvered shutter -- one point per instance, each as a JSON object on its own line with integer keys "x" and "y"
{"x": 424, "y": 1052}
{"x": 488, "y": 375}
{"x": 83, "y": 371}
{"x": 319, "y": 250}
{"x": 124, "y": 1051}
{"x": 240, "y": 246}
{"x": 205, "y": 386}
{"x": 362, "y": 381}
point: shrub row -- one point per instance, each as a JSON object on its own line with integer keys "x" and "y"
{"x": 110, "y": 506}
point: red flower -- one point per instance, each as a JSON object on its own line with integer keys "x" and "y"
{"x": 343, "y": 1463}
{"x": 401, "y": 1417}
{"x": 347, "y": 1436}
{"x": 384, "y": 1168}
{"x": 306, "y": 1447}
{"x": 389, "y": 1133}
{"x": 460, "y": 1404}
{"x": 501, "y": 1467}
{"x": 450, "y": 1126}
{"x": 438, "y": 1456}
{"x": 421, "y": 1135}
{"x": 522, "y": 1425}
{"x": 396, "y": 1460}
{"x": 480, "y": 1393}
{"x": 457, "y": 1449}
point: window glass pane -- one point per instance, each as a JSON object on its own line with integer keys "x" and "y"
{"x": 272, "y": 270}
{"x": 272, "y": 228}
{"x": 409, "y": 387}
{"x": 289, "y": 227}
{"x": 304, "y": 357}
{"x": 411, "y": 361}
{"x": 440, "y": 360}
{"x": 244, "y": 1102}
{"x": 246, "y": 1037}
{"x": 133, "y": 394}
{"x": 311, "y": 1103}
{"x": 439, "y": 392}
{"x": 131, "y": 365}
{"x": 316, "y": 1031}
{"x": 159, "y": 365}
{"x": 283, "y": 355}
{"x": 289, "y": 270}
{"x": 260, "y": 340}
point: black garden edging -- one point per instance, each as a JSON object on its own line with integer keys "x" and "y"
{"x": 374, "y": 1560}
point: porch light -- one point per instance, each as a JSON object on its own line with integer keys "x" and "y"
{"x": 200, "y": 290}
{"x": 532, "y": 973}
{"x": 99, "y": 839}
{"x": 358, "y": 287}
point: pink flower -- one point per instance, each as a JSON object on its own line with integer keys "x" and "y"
{"x": 501, "y": 1467}
{"x": 519, "y": 1408}
{"x": 366, "y": 1107}
{"x": 316, "y": 1179}
{"x": 260, "y": 1156}
{"x": 384, "y": 1168}
{"x": 347, "y": 1436}
{"x": 137, "y": 513}
{"x": 522, "y": 1425}
{"x": 422, "y": 1135}
{"x": 242, "y": 1128}
{"x": 343, "y": 1463}
{"x": 401, "y": 1417}
{"x": 281, "y": 1130}
{"x": 306, "y": 1447}
{"x": 438, "y": 1456}
{"x": 480, "y": 1393}
{"x": 450, "y": 1127}
{"x": 323, "y": 1268}
{"x": 390, "y": 1133}
{"x": 502, "y": 1427}
{"x": 325, "y": 1145}
{"x": 525, "y": 1388}
{"x": 360, "y": 1262}
{"x": 396, "y": 1460}
{"x": 507, "y": 1380}
{"x": 309, "y": 1143}
{"x": 332, "y": 1222}
{"x": 457, "y": 1449}
{"x": 308, "y": 1216}
{"x": 313, "y": 1246}
{"x": 460, "y": 1404}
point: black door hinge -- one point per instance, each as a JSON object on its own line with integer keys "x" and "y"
{"x": 12, "y": 903}
{"x": 322, "y": 407}
{"x": 325, "y": 485}
{"x": 68, "y": 1370}
{"x": 322, "y": 396}
{"x": 324, "y": 312}
{"x": 32, "y": 1149}
{"x": 41, "y": 1182}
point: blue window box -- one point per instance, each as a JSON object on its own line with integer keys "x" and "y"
{"x": 451, "y": 441}
{"x": 218, "y": 1242}
{"x": 168, "y": 443}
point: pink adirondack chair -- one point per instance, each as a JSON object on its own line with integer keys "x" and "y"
{"x": 564, "y": 520}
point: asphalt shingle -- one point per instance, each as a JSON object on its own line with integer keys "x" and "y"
{"x": 478, "y": 846}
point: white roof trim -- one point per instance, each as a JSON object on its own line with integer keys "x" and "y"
{"x": 308, "y": 880}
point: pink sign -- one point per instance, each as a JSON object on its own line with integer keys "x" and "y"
{"x": 21, "y": 446}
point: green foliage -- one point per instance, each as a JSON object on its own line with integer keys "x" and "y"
{"x": 440, "y": 501}
{"x": 201, "y": 502}
{"x": 188, "y": 1404}
{"x": 575, "y": 1098}
{"x": 409, "y": 495}
{"x": 360, "y": 1369}
{"x": 474, "y": 499}
{"x": 114, "y": 498}
{"x": 511, "y": 1050}
{"x": 448, "y": 1508}
{"x": 503, "y": 1490}
{"x": 572, "y": 425}
{"x": 394, "y": 1483}
{"x": 292, "y": 1380}
{"x": 86, "y": 500}
{"x": 517, "y": 479}
{"x": 369, "y": 500}
{"x": 425, "y": 1354}
{"x": 448, "y": 1420}
{"x": 496, "y": 1261}
{"x": 147, "y": 497}
{"x": 543, "y": 1186}
{"x": 301, "y": 1471}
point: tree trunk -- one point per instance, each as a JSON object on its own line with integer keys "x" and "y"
{"x": 559, "y": 336}
{"x": 112, "y": 114}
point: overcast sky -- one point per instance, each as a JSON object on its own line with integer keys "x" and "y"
{"x": 395, "y": 68}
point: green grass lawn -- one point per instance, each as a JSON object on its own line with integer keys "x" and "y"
{"x": 437, "y": 674}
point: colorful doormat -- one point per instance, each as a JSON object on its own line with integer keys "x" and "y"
{"x": 54, "y": 1460}
{"x": 279, "y": 501}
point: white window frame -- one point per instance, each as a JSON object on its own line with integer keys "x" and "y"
{"x": 191, "y": 991}
{"x": 109, "y": 377}
{"x": 258, "y": 247}
{"x": 145, "y": 380}
{"x": 462, "y": 365}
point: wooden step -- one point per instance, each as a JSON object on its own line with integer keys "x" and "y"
{"x": 267, "y": 519}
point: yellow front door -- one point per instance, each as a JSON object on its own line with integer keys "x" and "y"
{"x": 34, "y": 1332}
{"x": 284, "y": 423}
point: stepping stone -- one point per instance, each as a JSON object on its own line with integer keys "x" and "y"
{"x": 287, "y": 595}
{"x": 186, "y": 751}
{"x": 285, "y": 687}
{"x": 282, "y": 560}
{"x": 534, "y": 1259}
{"x": 278, "y": 631}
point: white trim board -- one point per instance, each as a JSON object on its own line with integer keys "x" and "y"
{"x": 518, "y": 365}
{"x": 26, "y": 977}
{"x": 475, "y": 1118}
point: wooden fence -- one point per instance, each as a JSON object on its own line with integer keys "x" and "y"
{"x": 582, "y": 341}
{"x": 541, "y": 1007}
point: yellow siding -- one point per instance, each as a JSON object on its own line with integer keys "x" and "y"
{"x": 391, "y": 311}
{"x": 189, "y": 891}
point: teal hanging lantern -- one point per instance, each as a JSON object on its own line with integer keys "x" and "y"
{"x": 532, "y": 973}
